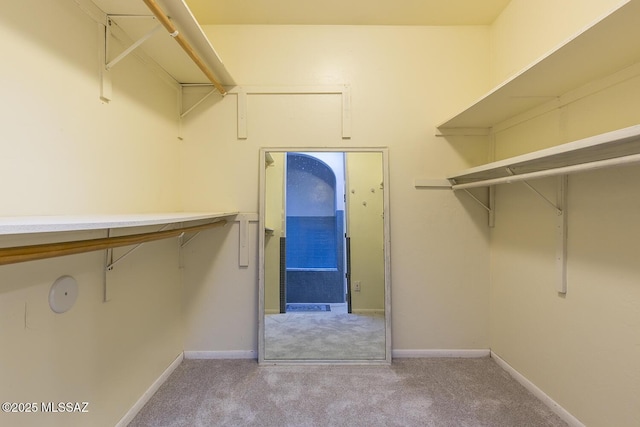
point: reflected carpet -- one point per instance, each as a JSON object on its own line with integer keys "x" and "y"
{"x": 324, "y": 336}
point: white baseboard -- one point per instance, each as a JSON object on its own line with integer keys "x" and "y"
{"x": 235, "y": 354}
{"x": 552, "y": 404}
{"x": 368, "y": 311}
{"x": 131, "y": 413}
{"x": 400, "y": 354}
{"x": 363, "y": 311}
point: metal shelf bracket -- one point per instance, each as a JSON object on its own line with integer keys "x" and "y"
{"x": 197, "y": 103}
{"x": 131, "y": 48}
{"x": 106, "y": 33}
{"x": 112, "y": 263}
{"x": 186, "y": 242}
{"x": 490, "y": 207}
{"x": 556, "y": 206}
{"x": 109, "y": 262}
{"x": 560, "y": 208}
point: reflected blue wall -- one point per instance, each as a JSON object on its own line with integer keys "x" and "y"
{"x": 311, "y": 242}
{"x": 315, "y": 233}
{"x": 320, "y": 286}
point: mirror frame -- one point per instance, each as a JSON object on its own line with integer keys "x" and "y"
{"x": 261, "y": 255}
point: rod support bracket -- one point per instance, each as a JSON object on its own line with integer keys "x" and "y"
{"x": 490, "y": 207}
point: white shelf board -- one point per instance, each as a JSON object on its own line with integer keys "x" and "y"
{"x": 62, "y": 223}
{"x": 135, "y": 19}
{"x": 606, "y": 46}
{"x": 611, "y": 145}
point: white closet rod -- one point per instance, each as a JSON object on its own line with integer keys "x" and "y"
{"x": 599, "y": 164}
{"x": 173, "y": 31}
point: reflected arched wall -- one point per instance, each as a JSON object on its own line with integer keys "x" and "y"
{"x": 314, "y": 230}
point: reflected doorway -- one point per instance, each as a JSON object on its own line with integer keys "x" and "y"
{"x": 311, "y": 203}
{"x": 314, "y": 265}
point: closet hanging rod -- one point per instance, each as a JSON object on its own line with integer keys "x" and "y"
{"x": 173, "y": 31}
{"x": 19, "y": 254}
{"x": 598, "y": 164}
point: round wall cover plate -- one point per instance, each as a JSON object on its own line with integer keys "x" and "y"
{"x": 63, "y": 294}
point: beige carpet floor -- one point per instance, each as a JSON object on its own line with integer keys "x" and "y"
{"x": 407, "y": 393}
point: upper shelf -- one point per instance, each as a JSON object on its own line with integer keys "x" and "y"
{"x": 604, "y": 150}
{"x": 136, "y": 20}
{"x": 601, "y": 49}
{"x": 54, "y": 223}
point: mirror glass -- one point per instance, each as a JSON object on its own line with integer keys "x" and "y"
{"x": 324, "y": 269}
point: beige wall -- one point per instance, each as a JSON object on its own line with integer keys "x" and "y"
{"x": 84, "y": 156}
{"x": 63, "y": 151}
{"x": 581, "y": 349}
{"x": 274, "y": 218}
{"x": 66, "y": 152}
{"x": 365, "y": 225}
{"x": 403, "y": 81}
{"x": 528, "y": 30}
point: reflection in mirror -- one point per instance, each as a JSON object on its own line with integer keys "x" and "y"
{"x": 324, "y": 279}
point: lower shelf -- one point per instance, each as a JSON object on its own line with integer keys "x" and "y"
{"x": 61, "y": 223}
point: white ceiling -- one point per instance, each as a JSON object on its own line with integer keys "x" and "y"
{"x": 347, "y": 12}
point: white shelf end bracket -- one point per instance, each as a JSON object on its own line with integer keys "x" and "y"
{"x": 560, "y": 208}
{"x": 108, "y": 260}
{"x": 243, "y": 245}
{"x": 106, "y": 87}
{"x": 561, "y": 234}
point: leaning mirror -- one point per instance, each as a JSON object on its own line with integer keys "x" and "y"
{"x": 324, "y": 256}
